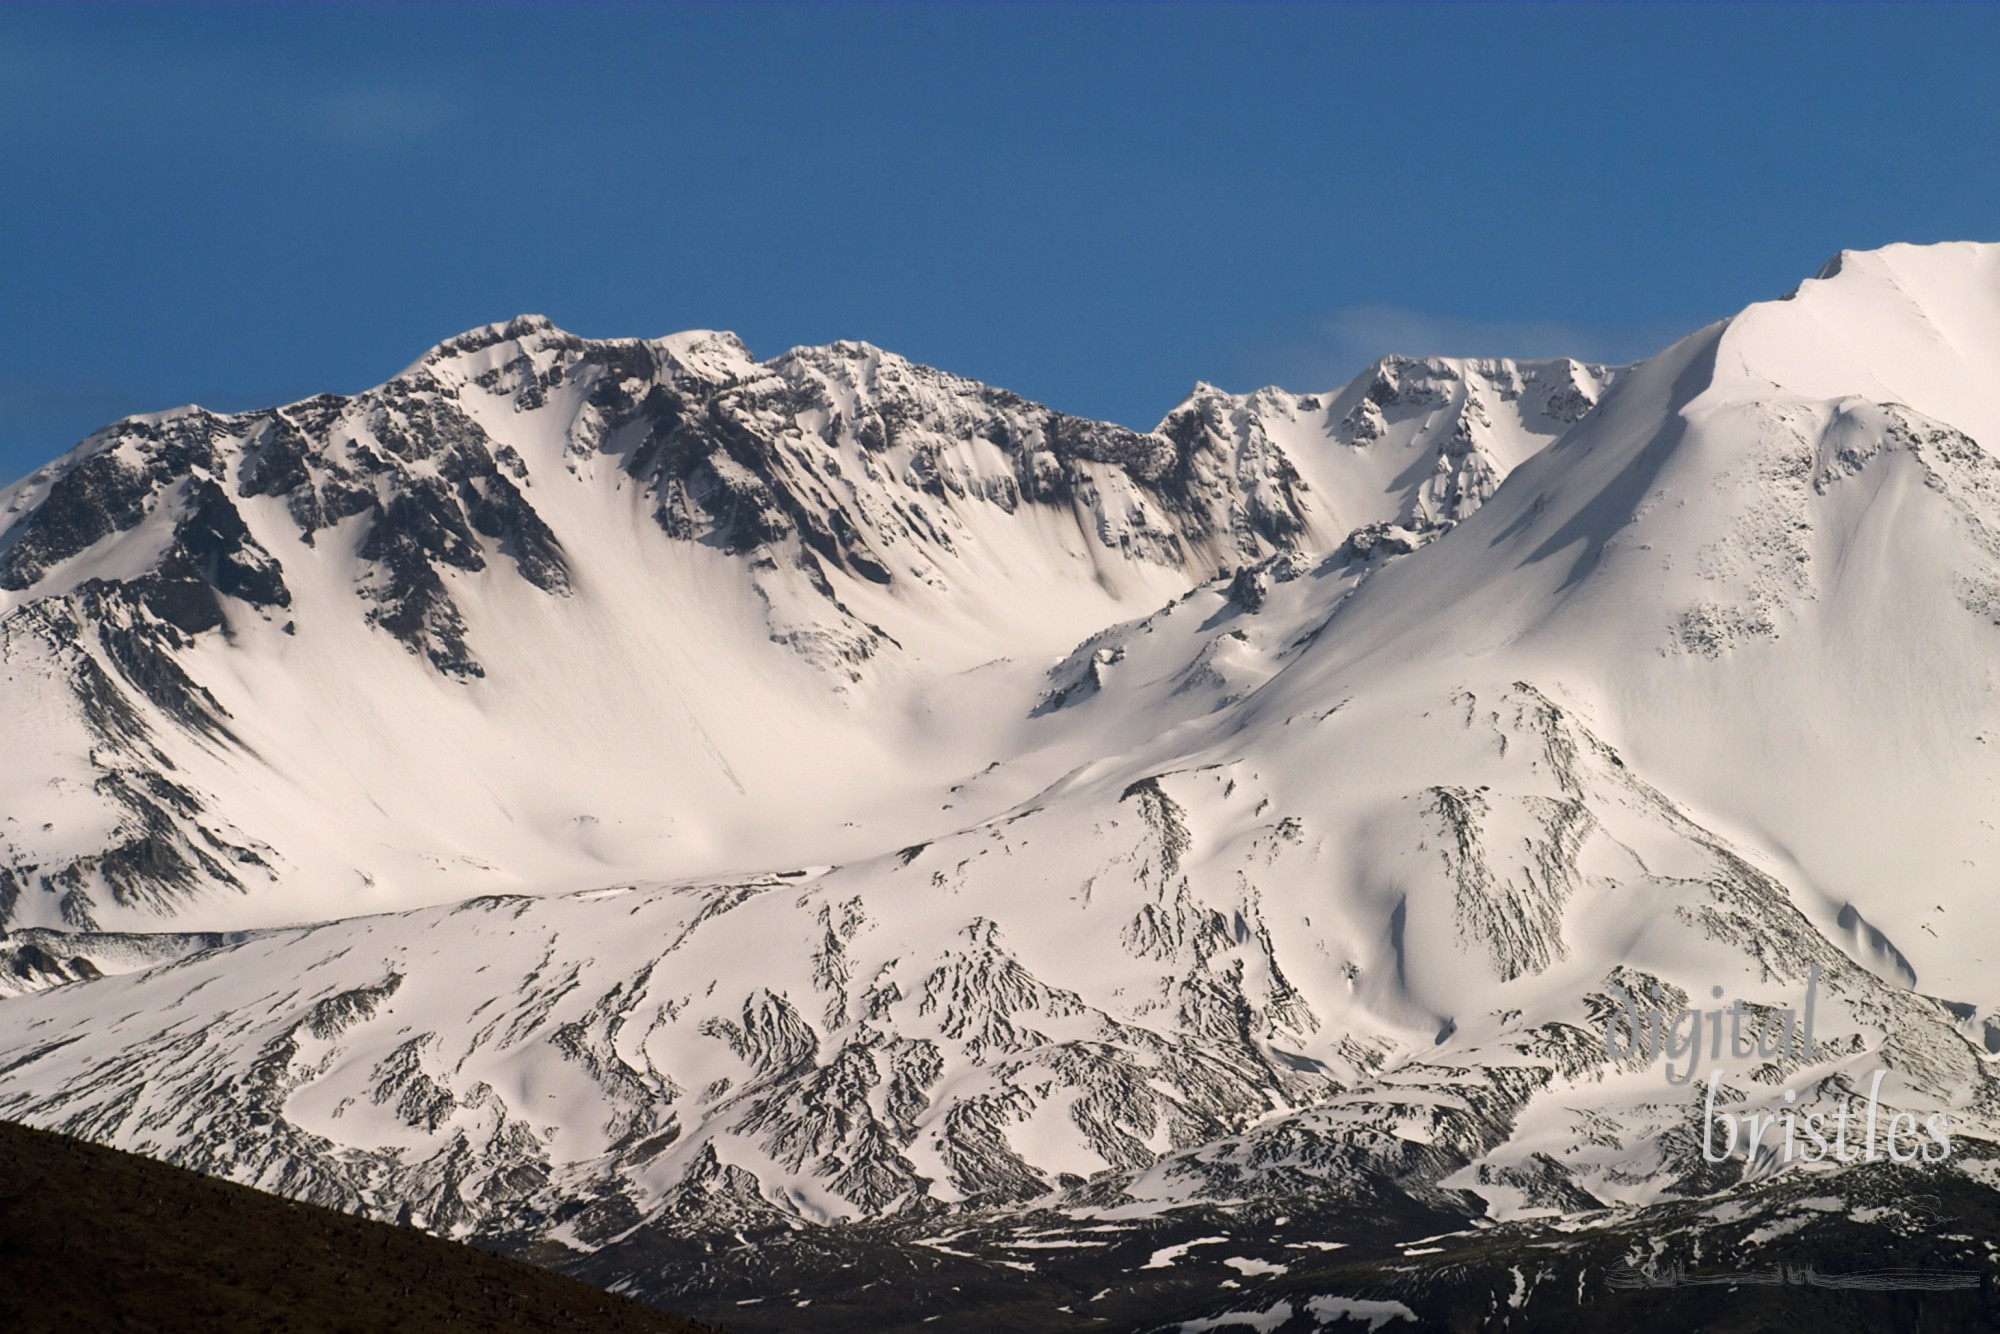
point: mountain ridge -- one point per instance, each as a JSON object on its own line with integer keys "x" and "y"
{"x": 1306, "y": 885}
{"x": 882, "y": 521}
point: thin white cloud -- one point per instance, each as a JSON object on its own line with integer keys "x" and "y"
{"x": 377, "y": 113}
{"x": 1340, "y": 344}
{"x": 118, "y": 91}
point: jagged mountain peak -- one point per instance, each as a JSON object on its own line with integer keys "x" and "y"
{"x": 1433, "y": 437}
{"x": 715, "y": 354}
{"x": 531, "y": 355}
{"x": 522, "y": 328}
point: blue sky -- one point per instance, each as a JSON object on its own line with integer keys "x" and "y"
{"x": 1093, "y": 206}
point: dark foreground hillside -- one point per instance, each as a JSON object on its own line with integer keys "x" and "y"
{"x": 93, "y": 1239}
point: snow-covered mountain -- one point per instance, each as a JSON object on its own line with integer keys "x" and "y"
{"x": 658, "y": 799}
{"x": 542, "y": 612}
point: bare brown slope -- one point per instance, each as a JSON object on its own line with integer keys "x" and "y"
{"x": 94, "y": 1239}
